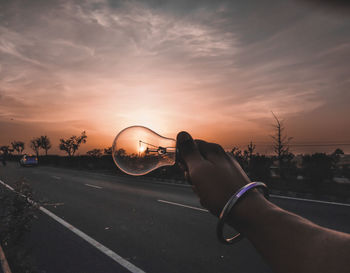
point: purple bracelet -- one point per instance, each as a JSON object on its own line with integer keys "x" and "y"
{"x": 229, "y": 205}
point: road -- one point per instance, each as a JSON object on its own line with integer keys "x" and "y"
{"x": 136, "y": 219}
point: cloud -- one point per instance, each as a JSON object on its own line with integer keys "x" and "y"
{"x": 169, "y": 64}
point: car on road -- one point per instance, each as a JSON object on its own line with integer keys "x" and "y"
{"x": 28, "y": 160}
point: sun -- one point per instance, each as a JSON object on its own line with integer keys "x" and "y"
{"x": 142, "y": 149}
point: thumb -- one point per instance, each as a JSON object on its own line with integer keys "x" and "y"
{"x": 187, "y": 150}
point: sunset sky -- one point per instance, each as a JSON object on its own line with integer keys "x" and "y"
{"x": 214, "y": 68}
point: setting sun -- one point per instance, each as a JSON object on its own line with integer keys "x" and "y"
{"x": 142, "y": 149}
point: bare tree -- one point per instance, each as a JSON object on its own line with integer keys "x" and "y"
{"x": 45, "y": 143}
{"x": 72, "y": 144}
{"x": 251, "y": 148}
{"x": 18, "y": 146}
{"x": 281, "y": 141}
{"x": 35, "y": 144}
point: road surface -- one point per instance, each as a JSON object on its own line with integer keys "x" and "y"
{"x": 156, "y": 227}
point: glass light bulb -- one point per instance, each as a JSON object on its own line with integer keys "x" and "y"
{"x": 138, "y": 150}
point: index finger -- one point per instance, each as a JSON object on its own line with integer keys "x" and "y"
{"x": 188, "y": 153}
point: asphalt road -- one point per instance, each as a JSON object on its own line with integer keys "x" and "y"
{"x": 125, "y": 215}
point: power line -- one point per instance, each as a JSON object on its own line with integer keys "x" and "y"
{"x": 303, "y": 144}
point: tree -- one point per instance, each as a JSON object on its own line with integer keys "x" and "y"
{"x": 259, "y": 168}
{"x": 281, "y": 144}
{"x": 336, "y": 155}
{"x": 95, "y": 153}
{"x": 251, "y": 148}
{"x": 346, "y": 171}
{"x": 18, "y": 146}
{"x": 242, "y": 158}
{"x": 121, "y": 152}
{"x": 35, "y": 144}
{"x": 5, "y": 150}
{"x": 45, "y": 143}
{"x": 107, "y": 151}
{"x": 317, "y": 168}
{"x": 72, "y": 144}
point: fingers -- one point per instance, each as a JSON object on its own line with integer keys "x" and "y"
{"x": 188, "y": 153}
{"x": 211, "y": 151}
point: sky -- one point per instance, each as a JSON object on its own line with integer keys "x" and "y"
{"x": 213, "y": 68}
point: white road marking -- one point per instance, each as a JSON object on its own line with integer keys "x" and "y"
{"x": 272, "y": 195}
{"x": 181, "y": 205}
{"x": 7, "y": 186}
{"x": 310, "y": 200}
{"x": 56, "y": 177}
{"x": 53, "y": 204}
{"x": 114, "y": 256}
{"x": 93, "y": 186}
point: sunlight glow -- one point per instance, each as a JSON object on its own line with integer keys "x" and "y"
{"x": 141, "y": 148}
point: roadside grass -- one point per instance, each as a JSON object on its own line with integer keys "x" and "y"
{"x": 16, "y": 217}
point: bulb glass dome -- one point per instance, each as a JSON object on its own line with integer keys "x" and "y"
{"x": 138, "y": 150}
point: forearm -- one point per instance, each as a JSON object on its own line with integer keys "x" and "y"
{"x": 289, "y": 242}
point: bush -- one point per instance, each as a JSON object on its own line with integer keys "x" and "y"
{"x": 259, "y": 168}
{"x": 317, "y": 168}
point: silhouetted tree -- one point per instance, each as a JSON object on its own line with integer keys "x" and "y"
{"x": 317, "y": 168}
{"x": 337, "y": 154}
{"x": 281, "y": 144}
{"x": 346, "y": 171}
{"x": 107, "y": 151}
{"x": 45, "y": 143}
{"x": 6, "y": 150}
{"x": 241, "y": 157}
{"x": 250, "y": 150}
{"x": 72, "y": 144}
{"x": 18, "y": 146}
{"x": 259, "y": 168}
{"x": 35, "y": 144}
{"x": 95, "y": 153}
{"x": 121, "y": 152}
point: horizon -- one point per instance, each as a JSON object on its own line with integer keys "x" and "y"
{"x": 216, "y": 70}
{"x": 263, "y": 148}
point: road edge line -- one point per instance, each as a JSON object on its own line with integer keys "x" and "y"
{"x": 105, "y": 250}
{"x": 309, "y": 200}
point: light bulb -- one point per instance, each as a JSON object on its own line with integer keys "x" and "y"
{"x": 138, "y": 150}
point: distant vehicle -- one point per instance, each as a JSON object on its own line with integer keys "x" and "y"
{"x": 28, "y": 160}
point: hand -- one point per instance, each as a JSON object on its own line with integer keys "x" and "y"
{"x": 215, "y": 176}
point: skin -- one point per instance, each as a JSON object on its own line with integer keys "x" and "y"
{"x": 288, "y": 242}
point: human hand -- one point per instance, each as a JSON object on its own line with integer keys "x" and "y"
{"x": 215, "y": 176}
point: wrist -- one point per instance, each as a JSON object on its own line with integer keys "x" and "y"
{"x": 248, "y": 211}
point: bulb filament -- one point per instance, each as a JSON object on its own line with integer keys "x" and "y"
{"x": 155, "y": 149}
